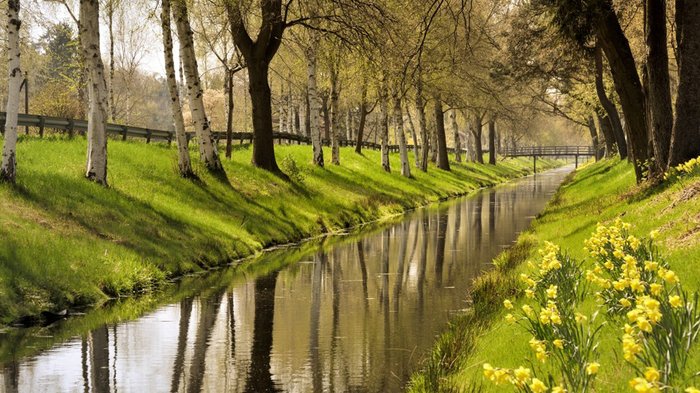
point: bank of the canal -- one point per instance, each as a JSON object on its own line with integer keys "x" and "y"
{"x": 598, "y": 193}
{"x": 65, "y": 242}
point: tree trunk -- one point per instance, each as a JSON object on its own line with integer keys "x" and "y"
{"x": 416, "y": 154}
{"x": 659, "y": 93}
{"x": 9, "y": 160}
{"x": 260, "y": 99}
{"x": 443, "y": 161}
{"x": 403, "y": 150}
{"x": 614, "y": 117}
{"x": 422, "y": 124}
{"x": 685, "y": 142}
{"x": 97, "y": 92}
{"x": 282, "y": 107}
{"x": 492, "y": 142}
{"x": 594, "y": 137}
{"x": 476, "y": 133}
{"x": 606, "y": 128}
{"x": 384, "y": 108}
{"x": 326, "y": 118}
{"x": 183, "y": 156}
{"x": 304, "y": 124}
{"x": 455, "y": 131}
{"x": 363, "y": 119}
{"x": 628, "y": 86}
{"x": 110, "y": 17}
{"x": 207, "y": 148}
{"x": 229, "y": 113}
{"x": 314, "y": 105}
{"x": 335, "y": 117}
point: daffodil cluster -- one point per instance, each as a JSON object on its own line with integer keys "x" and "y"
{"x": 560, "y": 334}
{"x": 639, "y": 286}
{"x": 685, "y": 168}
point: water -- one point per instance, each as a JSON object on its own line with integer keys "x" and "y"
{"x": 351, "y": 315}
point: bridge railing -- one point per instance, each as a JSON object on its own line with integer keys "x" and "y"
{"x": 540, "y": 151}
{"x": 71, "y": 126}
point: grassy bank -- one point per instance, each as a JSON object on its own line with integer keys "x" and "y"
{"x": 65, "y": 241}
{"x": 599, "y": 193}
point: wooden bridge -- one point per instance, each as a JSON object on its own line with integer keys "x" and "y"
{"x": 550, "y": 151}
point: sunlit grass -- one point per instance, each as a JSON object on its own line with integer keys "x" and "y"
{"x": 65, "y": 241}
{"x": 598, "y": 193}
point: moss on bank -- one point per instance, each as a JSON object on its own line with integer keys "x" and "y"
{"x": 65, "y": 241}
{"x": 598, "y": 193}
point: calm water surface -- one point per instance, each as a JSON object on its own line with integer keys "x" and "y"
{"x": 356, "y": 315}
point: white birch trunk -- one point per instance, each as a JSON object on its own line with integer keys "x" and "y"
{"x": 183, "y": 156}
{"x": 384, "y": 127}
{"x": 314, "y": 102}
{"x": 97, "y": 92}
{"x": 414, "y": 136}
{"x": 455, "y": 130}
{"x": 282, "y": 109}
{"x": 403, "y": 150}
{"x": 207, "y": 148}
{"x": 9, "y": 151}
{"x": 335, "y": 119}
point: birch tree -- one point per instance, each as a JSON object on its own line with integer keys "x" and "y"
{"x": 314, "y": 101}
{"x": 403, "y": 150}
{"x": 207, "y": 149}
{"x": 9, "y": 160}
{"x": 455, "y": 131}
{"x": 384, "y": 126}
{"x": 97, "y": 92}
{"x": 183, "y": 156}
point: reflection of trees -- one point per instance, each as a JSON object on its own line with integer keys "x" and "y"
{"x": 100, "y": 359}
{"x": 314, "y": 350}
{"x": 184, "y": 326}
{"x": 363, "y": 270}
{"x": 456, "y": 237}
{"x": 492, "y": 217}
{"x": 10, "y": 374}
{"x": 209, "y": 310}
{"x": 422, "y": 264}
{"x": 402, "y": 258}
{"x": 259, "y": 376}
{"x": 440, "y": 245}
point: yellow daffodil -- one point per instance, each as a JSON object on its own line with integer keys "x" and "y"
{"x": 552, "y": 292}
{"x": 507, "y": 304}
{"x": 625, "y": 303}
{"x": 559, "y": 343}
{"x": 651, "y": 374}
{"x": 592, "y": 368}
{"x": 538, "y": 386}
{"x": 675, "y": 301}
{"x": 522, "y": 375}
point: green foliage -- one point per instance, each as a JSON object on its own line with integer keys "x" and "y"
{"x": 65, "y": 241}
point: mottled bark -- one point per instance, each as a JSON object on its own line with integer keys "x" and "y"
{"x": 443, "y": 162}
{"x": 314, "y": 104}
{"x": 384, "y": 126}
{"x": 594, "y": 137}
{"x": 422, "y": 126}
{"x": 183, "y": 157}
{"x": 8, "y": 170}
{"x": 455, "y": 133}
{"x": 628, "y": 86}
{"x": 492, "y": 142}
{"x": 363, "y": 118}
{"x": 476, "y": 137}
{"x": 207, "y": 148}
{"x": 335, "y": 117}
{"x": 96, "y": 168}
{"x": 618, "y": 133}
{"x": 606, "y": 129}
{"x": 659, "y": 92}
{"x": 685, "y": 142}
{"x": 412, "y": 126}
{"x": 403, "y": 150}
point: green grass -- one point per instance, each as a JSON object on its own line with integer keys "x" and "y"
{"x": 598, "y": 193}
{"x": 67, "y": 242}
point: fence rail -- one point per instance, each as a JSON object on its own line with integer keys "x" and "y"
{"x": 149, "y": 134}
{"x": 550, "y": 151}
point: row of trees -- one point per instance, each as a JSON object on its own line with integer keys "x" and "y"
{"x": 431, "y": 73}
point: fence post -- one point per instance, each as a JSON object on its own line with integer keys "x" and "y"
{"x": 70, "y": 128}
{"x": 170, "y": 138}
{"x": 41, "y": 126}
{"x": 124, "y": 132}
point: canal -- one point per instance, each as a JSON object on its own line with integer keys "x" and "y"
{"x": 350, "y": 313}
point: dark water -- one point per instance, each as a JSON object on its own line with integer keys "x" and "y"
{"x": 356, "y": 315}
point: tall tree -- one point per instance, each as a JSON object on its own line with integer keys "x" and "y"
{"x": 384, "y": 126}
{"x": 455, "y": 133}
{"x": 610, "y": 109}
{"x": 403, "y": 150}
{"x": 9, "y": 159}
{"x": 443, "y": 161}
{"x": 492, "y": 141}
{"x": 659, "y": 91}
{"x": 97, "y": 92}
{"x": 258, "y": 54}
{"x": 685, "y": 142}
{"x": 314, "y": 101}
{"x": 207, "y": 148}
{"x": 183, "y": 157}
